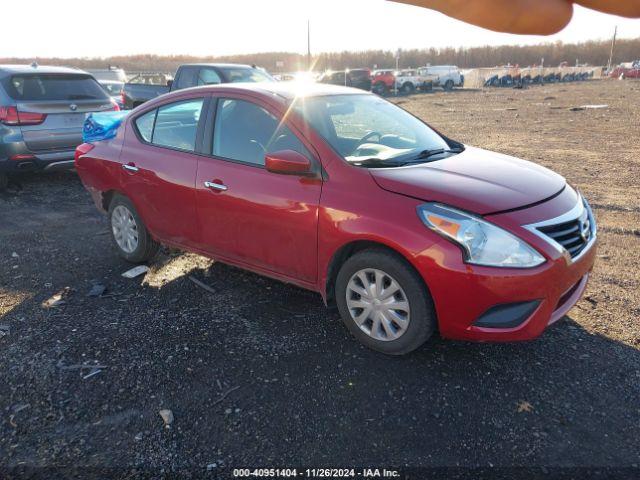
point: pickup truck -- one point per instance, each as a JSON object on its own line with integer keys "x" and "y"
{"x": 445, "y": 76}
{"x": 193, "y": 75}
{"x": 383, "y": 81}
{"x": 409, "y": 80}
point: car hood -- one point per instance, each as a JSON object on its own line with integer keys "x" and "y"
{"x": 475, "y": 180}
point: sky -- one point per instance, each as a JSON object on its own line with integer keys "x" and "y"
{"x": 73, "y": 28}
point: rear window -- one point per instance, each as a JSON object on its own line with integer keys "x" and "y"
{"x": 34, "y": 87}
{"x": 250, "y": 75}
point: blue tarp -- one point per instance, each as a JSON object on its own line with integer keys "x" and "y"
{"x": 102, "y": 126}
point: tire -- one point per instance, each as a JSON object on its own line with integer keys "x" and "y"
{"x": 408, "y": 88}
{"x": 448, "y": 85}
{"x": 4, "y": 182}
{"x": 381, "y": 89}
{"x": 421, "y": 318}
{"x": 145, "y": 247}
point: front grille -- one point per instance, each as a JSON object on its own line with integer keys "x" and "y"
{"x": 573, "y": 235}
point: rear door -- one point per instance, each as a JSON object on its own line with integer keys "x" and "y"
{"x": 62, "y": 101}
{"x": 246, "y": 213}
{"x": 159, "y": 167}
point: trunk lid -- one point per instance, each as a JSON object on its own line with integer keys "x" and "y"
{"x": 62, "y": 127}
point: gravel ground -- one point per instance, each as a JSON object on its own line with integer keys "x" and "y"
{"x": 258, "y": 373}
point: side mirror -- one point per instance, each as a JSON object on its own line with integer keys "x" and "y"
{"x": 287, "y": 162}
{"x": 169, "y": 83}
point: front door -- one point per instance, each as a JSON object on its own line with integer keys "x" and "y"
{"x": 246, "y": 213}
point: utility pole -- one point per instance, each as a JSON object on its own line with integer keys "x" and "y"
{"x": 395, "y": 82}
{"x": 308, "y": 45}
{"x": 613, "y": 46}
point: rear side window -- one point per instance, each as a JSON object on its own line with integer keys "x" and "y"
{"x": 39, "y": 87}
{"x": 144, "y": 124}
{"x": 245, "y": 132}
{"x": 174, "y": 125}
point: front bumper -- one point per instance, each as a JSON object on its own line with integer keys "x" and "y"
{"x": 464, "y": 294}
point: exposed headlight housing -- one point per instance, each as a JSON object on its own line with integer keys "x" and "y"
{"x": 482, "y": 243}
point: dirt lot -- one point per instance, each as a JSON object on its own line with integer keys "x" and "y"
{"x": 261, "y": 374}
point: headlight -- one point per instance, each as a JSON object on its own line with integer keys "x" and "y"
{"x": 482, "y": 243}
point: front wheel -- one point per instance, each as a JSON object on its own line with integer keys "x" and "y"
{"x": 448, "y": 85}
{"x": 381, "y": 89}
{"x": 384, "y": 303}
{"x": 128, "y": 233}
{"x": 408, "y": 88}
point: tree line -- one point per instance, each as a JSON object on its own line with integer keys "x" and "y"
{"x": 590, "y": 52}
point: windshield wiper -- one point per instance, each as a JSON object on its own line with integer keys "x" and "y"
{"x": 420, "y": 158}
{"x": 425, "y": 154}
{"x": 375, "y": 163}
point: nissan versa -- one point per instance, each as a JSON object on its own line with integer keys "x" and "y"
{"x": 341, "y": 192}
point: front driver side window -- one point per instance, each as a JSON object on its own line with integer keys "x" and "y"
{"x": 244, "y": 132}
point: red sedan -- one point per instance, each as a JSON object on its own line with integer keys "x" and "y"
{"x": 341, "y": 192}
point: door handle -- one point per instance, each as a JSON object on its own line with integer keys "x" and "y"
{"x": 131, "y": 168}
{"x": 216, "y": 186}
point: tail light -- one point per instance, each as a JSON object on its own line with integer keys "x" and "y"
{"x": 82, "y": 149}
{"x": 21, "y": 157}
{"x": 11, "y": 116}
{"x": 122, "y": 98}
{"x": 115, "y": 106}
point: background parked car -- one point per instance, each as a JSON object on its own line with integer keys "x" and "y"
{"x": 193, "y": 75}
{"x": 111, "y": 74}
{"x": 383, "y": 81}
{"x": 626, "y": 70}
{"x": 42, "y": 111}
{"x": 445, "y": 76}
{"x": 356, "y": 78}
{"x": 114, "y": 90}
{"x": 410, "y": 80}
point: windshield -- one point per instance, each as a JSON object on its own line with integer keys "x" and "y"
{"x": 366, "y": 127}
{"x": 251, "y": 75}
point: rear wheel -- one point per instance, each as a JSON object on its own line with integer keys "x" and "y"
{"x": 128, "y": 233}
{"x": 384, "y": 303}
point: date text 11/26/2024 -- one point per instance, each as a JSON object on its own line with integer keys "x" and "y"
{"x": 315, "y": 473}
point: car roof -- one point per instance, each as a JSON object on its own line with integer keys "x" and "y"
{"x": 288, "y": 90}
{"x": 219, "y": 65}
{"x": 38, "y": 69}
